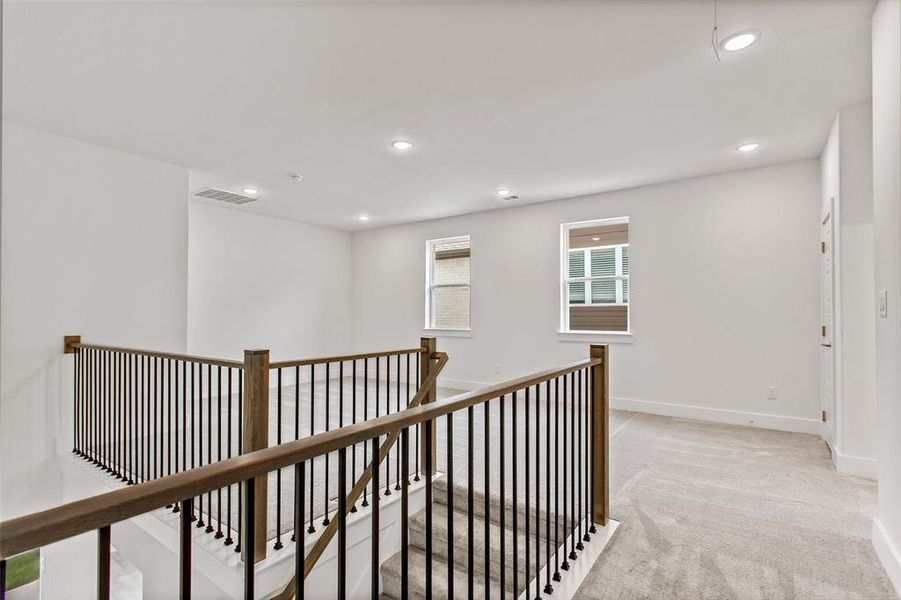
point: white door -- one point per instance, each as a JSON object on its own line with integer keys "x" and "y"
{"x": 827, "y": 352}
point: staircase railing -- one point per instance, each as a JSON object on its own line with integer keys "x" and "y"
{"x": 574, "y": 400}
{"x": 141, "y": 415}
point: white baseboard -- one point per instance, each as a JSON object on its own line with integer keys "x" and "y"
{"x": 460, "y": 384}
{"x": 855, "y": 465}
{"x": 888, "y": 554}
{"x": 720, "y": 415}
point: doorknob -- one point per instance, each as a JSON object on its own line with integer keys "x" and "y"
{"x": 826, "y": 345}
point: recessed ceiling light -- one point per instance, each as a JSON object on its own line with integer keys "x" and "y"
{"x": 503, "y": 193}
{"x": 363, "y": 217}
{"x": 595, "y": 239}
{"x": 751, "y": 147}
{"x": 296, "y": 177}
{"x": 251, "y": 191}
{"x": 402, "y": 144}
{"x": 740, "y": 40}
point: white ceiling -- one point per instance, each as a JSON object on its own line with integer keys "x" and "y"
{"x": 550, "y": 99}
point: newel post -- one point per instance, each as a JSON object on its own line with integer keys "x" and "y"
{"x": 600, "y": 435}
{"x": 429, "y": 452}
{"x": 256, "y": 437}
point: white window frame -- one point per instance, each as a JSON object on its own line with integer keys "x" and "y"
{"x": 565, "y": 280}
{"x": 429, "y": 286}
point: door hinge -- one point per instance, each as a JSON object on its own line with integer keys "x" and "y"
{"x": 823, "y": 330}
{"x": 823, "y": 247}
{"x": 823, "y": 416}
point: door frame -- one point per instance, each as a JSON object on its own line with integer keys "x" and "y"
{"x": 832, "y": 212}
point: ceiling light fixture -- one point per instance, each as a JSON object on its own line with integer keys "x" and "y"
{"x": 363, "y": 217}
{"x": 740, "y": 41}
{"x": 750, "y": 147}
{"x": 402, "y": 144}
{"x": 504, "y": 192}
{"x": 251, "y": 191}
{"x": 595, "y": 239}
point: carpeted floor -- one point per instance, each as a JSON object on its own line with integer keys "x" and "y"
{"x": 718, "y": 511}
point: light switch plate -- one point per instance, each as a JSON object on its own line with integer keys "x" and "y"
{"x": 883, "y": 303}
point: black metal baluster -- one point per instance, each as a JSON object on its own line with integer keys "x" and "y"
{"x": 502, "y": 550}
{"x": 2, "y": 580}
{"x": 571, "y": 527}
{"x": 374, "y": 521}
{"x": 365, "y": 418}
{"x": 583, "y": 374}
{"x": 298, "y": 525}
{"x": 194, "y": 411}
{"x": 538, "y": 492}
{"x": 405, "y": 519}
{"x": 450, "y": 487}
{"x": 557, "y": 486}
{"x": 429, "y": 472}
{"x": 209, "y": 447}
{"x": 397, "y": 409}
{"x": 219, "y": 535}
{"x": 487, "y": 495}
{"x": 299, "y": 518}
{"x": 592, "y": 448}
{"x": 565, "y": 482}
{"x": 184, "y": 562}
{"x": 75, "y": 407}
{"x": 107, "y": 402}
{"x": 240, "y": 432}
{"x": 200, "y": 522}
{"x": 527, "y": 468}
{"x": 342, "y": 523}
{"x": 470, "y": 504}
{"x": 278, "y": 472}
{"x": 353, "y": 394}
{"x": 184, "y": 414}
{"x": 228, "y": 441}
{"x": 249, "y": 542}
{"x": 103, "y": 563}
{"x": 312, "y": 528}
{"x": 325, "y": 519}
{"x": 388, "y": 411}
{"x": 169, "y": 417}
{"x": 416, "y": 453}
{"x": 158, "y": 421}
{"x": 548, "y": 588}
{"x": 515, "y": 489}
{"x": 577, "y": 408}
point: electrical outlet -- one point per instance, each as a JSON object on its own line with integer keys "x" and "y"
{"x": 771, "y": 392}
{"x": 883, "y": 303}
{"x": 496, "y": 369}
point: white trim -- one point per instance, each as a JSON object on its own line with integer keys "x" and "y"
{"x": 597, "y": 337}
{"x": 720, "y": 415}
{"x": 459, "y": 333}
{"x": 464, "y": 385}
{"x": 855, "y": 465}
{"x": 572, "y": 580}
{"x": 888, "y": 554}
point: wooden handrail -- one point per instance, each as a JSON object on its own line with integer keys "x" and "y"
{"x": 347, "y": 357}
{"x": 221, "y": 362}
{"x": 38, "y": 529}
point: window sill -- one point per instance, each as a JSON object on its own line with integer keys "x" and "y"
{"x": 605, "y": 337}
{"x": 459, "y": 333}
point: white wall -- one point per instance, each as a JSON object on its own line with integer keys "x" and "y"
{"x": 887, "y": 219}
{"x": 260, "y": 282}
{"x": 725, "y": 284}
{"x": 846, "y": 173}
{"x": 94, "y": 242}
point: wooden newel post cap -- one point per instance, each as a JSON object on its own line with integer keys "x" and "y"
{"x": 256, "y": 352}
{"x": 68, "y": 341}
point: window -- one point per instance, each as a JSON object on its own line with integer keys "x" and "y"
{"x": 447, "y": 283}
{"x": 595, "y": 276}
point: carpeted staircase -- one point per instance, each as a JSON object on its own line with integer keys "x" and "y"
{"x": 391, "y": 568}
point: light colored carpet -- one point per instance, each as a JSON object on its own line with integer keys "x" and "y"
{"x": 717, "y": 511}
